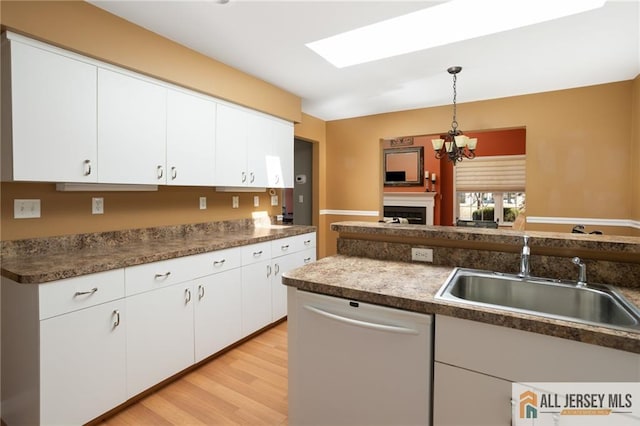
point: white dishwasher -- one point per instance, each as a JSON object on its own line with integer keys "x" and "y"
{"x": 353, "y": 363}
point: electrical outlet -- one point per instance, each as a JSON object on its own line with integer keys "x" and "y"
{"x": 422, "y": 254}
{"x": 274, "y": 200}
{"x": 203, "y": 203}
{"x": 235, "y": 201}
{"x": 256, "y": 201}
{"x": 97, "y": 205}
{"x": 26, "y": 209}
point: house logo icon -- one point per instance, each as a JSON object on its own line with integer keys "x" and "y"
{"x": 528, "y": 405}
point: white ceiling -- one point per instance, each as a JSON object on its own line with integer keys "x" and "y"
{"x": 267, "y": 39}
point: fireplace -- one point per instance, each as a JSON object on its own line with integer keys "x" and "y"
{"x": 416, "y": 207}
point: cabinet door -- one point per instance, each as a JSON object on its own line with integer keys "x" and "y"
{"x": 218, "y": 312}
{"x": 131, "y": 129}
{"x": 258, "y": 149}
{"x": 281, "y": 157}
{"x": 159, "y": 335}
{"x": 82, "y": 364}
{"x": 256, "y": 296}
{"x": 231, "y": 147}
{"x": 465, "y": 398}
{"x": 53, "y": 106}
{"x": 278, "y": 290}
{"x": 191, "y": 124}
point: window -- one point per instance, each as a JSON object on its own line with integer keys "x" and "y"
{"x": 490, "y": 188}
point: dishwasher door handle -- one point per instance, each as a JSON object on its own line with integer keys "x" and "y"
{"x": 360, "y": 323}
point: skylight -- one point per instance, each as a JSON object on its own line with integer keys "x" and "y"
{"x": 446, "y": 23}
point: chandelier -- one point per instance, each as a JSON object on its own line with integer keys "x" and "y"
{"x": 455, "y": 146}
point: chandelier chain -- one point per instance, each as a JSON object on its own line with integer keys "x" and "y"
{"x": 454, "y": 123}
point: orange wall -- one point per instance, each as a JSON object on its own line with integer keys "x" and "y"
{"x": 568, "y": 172}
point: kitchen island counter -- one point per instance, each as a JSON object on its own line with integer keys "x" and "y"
{"x": 412, "y": 287}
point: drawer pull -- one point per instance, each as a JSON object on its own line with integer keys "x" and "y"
{"x": 187, "y": 295}
{"x": 257, "y": 253}
{"x": 200, "y": 292}
{"x": 219, "y": 262}
{"x": 268, "y": 271}
{"x": 307, "y": 259}
{"x": 116, "y": 323}
{"x": 284, "y": 247}
{"x": 307, "y": 242}
{"x": 277, "y": 268}
{"x": 84, "y": 293}
{"x": 165, "y": 275}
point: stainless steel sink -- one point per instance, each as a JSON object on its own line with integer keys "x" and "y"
{"x": 594, "y": 304}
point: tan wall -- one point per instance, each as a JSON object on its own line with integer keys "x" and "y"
{"x": 569, "y": 173}
{"x": 635, "y": 154}
{"x": 64, "y": 213}
{"x": 313, "y": 130}
{"x": 91, "y": 31}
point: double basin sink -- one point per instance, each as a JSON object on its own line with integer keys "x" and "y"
{"x": 593, "y": 304}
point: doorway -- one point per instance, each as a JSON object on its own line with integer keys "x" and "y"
{"x": 298, "y": 200}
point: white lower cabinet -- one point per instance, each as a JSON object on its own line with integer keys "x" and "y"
{"x": 256, "y": 296}
{"x": 280, "y": 266}
{"x": 75, "y": 348}
{"x": 476, "y": 363}
{"x": 159, "y": 335}
{"x": 218, "y": 312}
{"x": 82, "y": 364}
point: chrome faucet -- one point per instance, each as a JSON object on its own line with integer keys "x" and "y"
{"x": 524, "y": 258}
{"x": 582, "y": 274}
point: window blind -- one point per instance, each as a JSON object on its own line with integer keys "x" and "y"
{"x": 491, "y": 174}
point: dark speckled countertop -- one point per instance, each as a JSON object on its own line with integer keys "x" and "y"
{"x": 39, "y": 261}
{"x": 412, "y": 286}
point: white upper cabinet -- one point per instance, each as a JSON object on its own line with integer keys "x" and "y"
{"x": 281, "y": 156}
{"x": 252, "y": 150}
{"x": 49, "y": 116}
{"x": 231, "y": 147}
{"x": 131, "y": 129}
{"x": 191, "y": 134}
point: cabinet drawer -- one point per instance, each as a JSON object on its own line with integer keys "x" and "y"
{"x": 151, "y": 276}
{"x": 293, "y": 244}
{"x": 76, "y": 293}
{"x": 256, "y": 253}
{"x": 222, "y": 260}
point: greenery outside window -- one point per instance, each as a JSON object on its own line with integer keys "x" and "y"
{"x": 502, "y": 207}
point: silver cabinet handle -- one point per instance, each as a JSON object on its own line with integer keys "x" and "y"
{"x": 307, "y": 259}
{"x": 257, "y": 253}
{"x": 165, "y": 275}
{"x": 251, "y": 177}
{"x": 84, "y": 293}
{"x": 200, "y": 292}
{"x": 277, "y": 268}
{"x": 277, "y": 179}
{"x": 284, "y": 247}
{"x": 160, "y": 172}
{"x": 268, "y": 271}
{"x": 244, "y": 177}
{"x": 116, "y": 313}
{"x": 174, "y": 173}
{"x": 187, "y": 295}
{"x": 219, "y": 262}
{"x": 87, "y": 167}
{"x": 307, "y": 242}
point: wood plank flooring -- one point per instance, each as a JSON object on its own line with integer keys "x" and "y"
{"x": 245, "y": 386}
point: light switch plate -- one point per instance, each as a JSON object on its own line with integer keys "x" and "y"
{"x": 422, "y": 254}
{"x": 256, "y": 201}
{"x": 203, "y": 203}
{"x": 274, "y": 200}
{"x": 235, "y": 201}
{"x": 26, "y": 209}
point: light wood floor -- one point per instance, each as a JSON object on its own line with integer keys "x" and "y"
{"x": 247, "y": 385}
